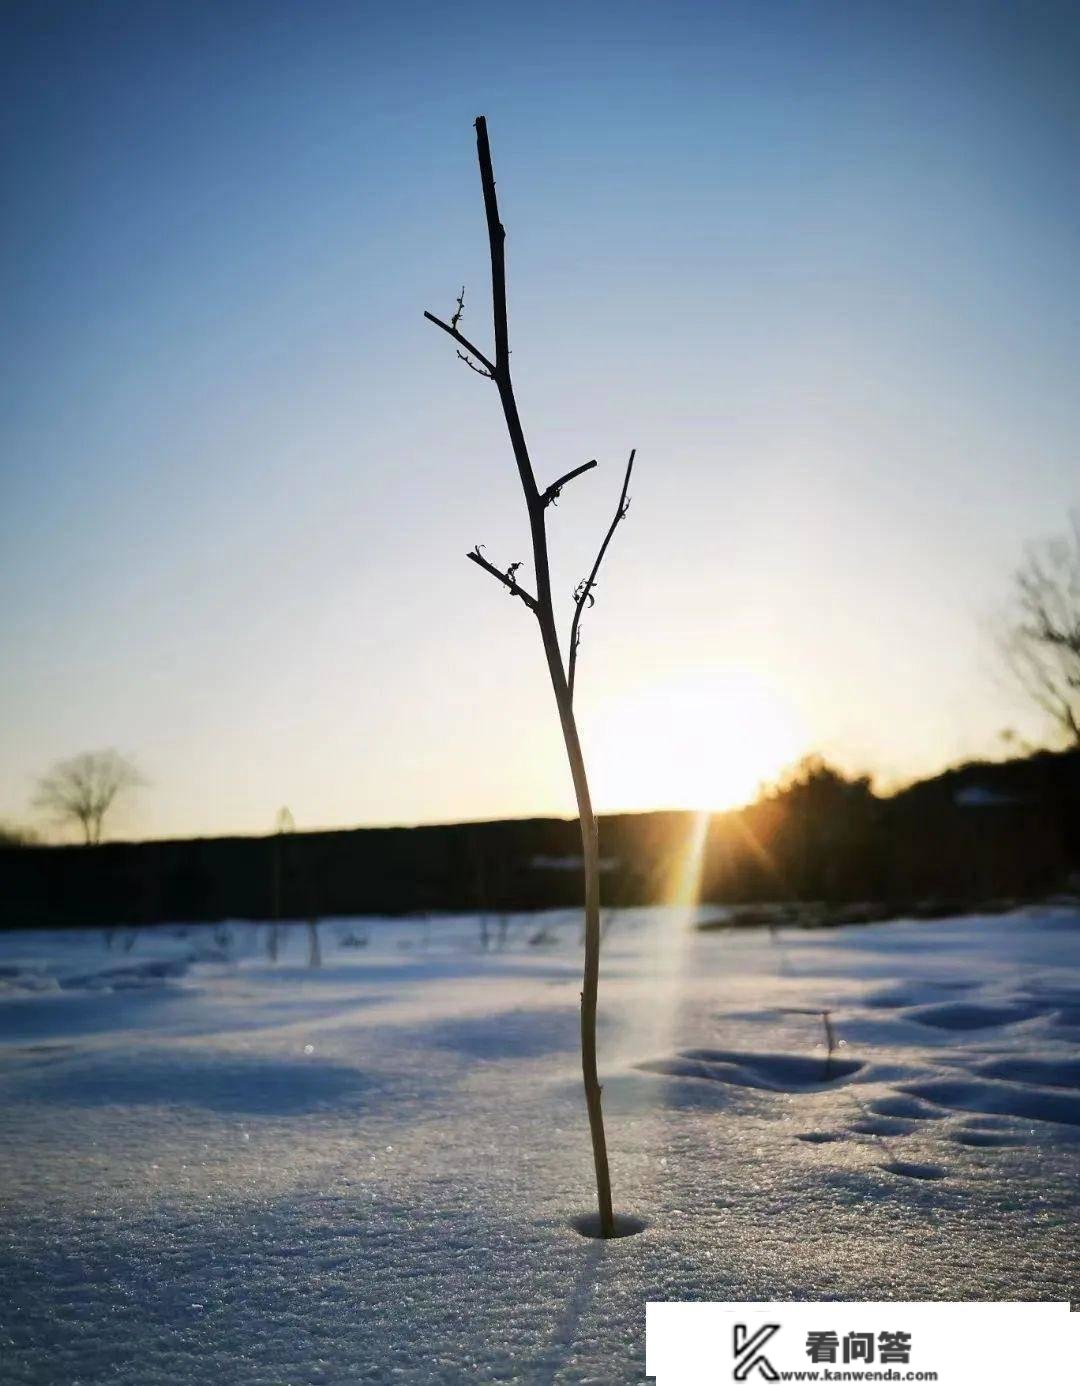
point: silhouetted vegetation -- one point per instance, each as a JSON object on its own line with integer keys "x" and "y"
{"x": 818, "y": 840}
{"x": 15, "y": 835}
{"x": 83, "y": 789}
{"x": 1041, "y": 643}
{"x": 497, "y": 368}
{"x": 981, "y": 832}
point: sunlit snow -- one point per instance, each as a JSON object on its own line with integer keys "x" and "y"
{"x": 221, "y": 1168}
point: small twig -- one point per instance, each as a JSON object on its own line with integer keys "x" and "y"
{"x": 462, "y": 341}
{"x": 474, "y": 367}
{"x": 508, "y": 580}
{"x": 551, "y": 495}
{"x": 541, "y": 605}
{"x": 583, "y": 593}
{"x": 460, "y": 309}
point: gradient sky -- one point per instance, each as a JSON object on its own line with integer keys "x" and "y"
{"x": 817, "y": 262}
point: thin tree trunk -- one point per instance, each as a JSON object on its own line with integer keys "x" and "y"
{"x": 591, "y": 857}
{"x": 537, "y": 506}
{"x": 536, "y": 502}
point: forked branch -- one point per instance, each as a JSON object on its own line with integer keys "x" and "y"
{"x": 508, "y": 579}
{"x": 463, "y": 356}
{"x": 583, "y": 595}
{"x": 463, "y": 341}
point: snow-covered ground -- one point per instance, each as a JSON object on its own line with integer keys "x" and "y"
{"x": 217, "y": 1168}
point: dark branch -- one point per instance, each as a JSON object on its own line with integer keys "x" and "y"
{"x": 496, "y": 243}
{"x": 583, "y": 594}
{"x": 508, "y": 580}
{"x": 551, "y": 495}
{"x": 462, "y": 341}
{"x": 474, "y": 367}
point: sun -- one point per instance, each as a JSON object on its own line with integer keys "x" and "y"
{"x": 703, "y": 739}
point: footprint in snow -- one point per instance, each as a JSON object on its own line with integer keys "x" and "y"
{"x": 910, "y": 1170}
{"x": 774, "y": 1072}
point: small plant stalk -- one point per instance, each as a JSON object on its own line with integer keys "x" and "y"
{"x": 830, "y": 1042}
{"x": 497, "y": 369}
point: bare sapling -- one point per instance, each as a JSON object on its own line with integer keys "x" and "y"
{"x": 496, "y": 368}
{"x": 830, "y": 1042}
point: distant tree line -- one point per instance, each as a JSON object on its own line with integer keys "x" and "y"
{"x": 983, "y": 831}
{"x": 1004, "y": 830}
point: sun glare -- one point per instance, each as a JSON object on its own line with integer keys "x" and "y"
{"x": 704, "y": 740}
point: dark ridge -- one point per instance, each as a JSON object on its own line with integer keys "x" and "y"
{"x": 818, "y": 848}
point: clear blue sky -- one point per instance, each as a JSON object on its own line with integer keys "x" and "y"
{"x": 818, "y": 262}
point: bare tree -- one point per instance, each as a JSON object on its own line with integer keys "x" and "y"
{"x": 83, "y": 789}
{"x": 1041, "y": 645}
{"x": 496, "y": 368}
